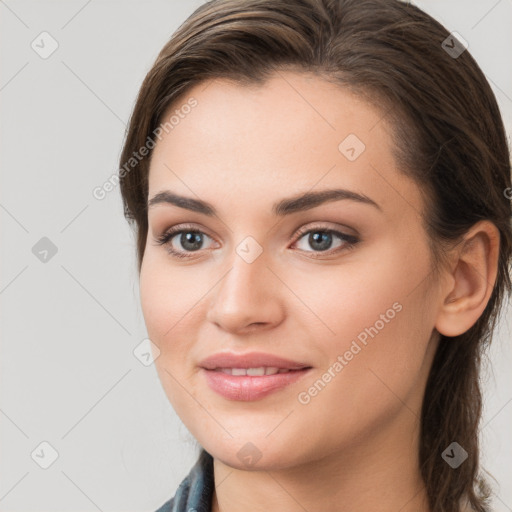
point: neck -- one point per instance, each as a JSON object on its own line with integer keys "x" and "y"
{"x": 366, "y": 476}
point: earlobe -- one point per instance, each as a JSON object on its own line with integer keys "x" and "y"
{"x": 472, "y": 280}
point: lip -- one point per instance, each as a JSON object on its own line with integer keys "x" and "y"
{"x": 249, "y": 360}
{"x": 249, "y": 387}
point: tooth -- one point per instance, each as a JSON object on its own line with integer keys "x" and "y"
{"x": 256, "y": 371}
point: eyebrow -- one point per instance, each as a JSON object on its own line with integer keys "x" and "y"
{"x": 283, "y": 207}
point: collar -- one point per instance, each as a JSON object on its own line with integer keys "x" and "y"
{"x": 196, "y": 490}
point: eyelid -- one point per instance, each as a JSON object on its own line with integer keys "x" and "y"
{"x": 349, "y": 239}
{"x": 169, "y": 233}
{"x": 344, "y": 230}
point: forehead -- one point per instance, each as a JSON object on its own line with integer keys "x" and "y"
{"x": 294, "y": 131}
{"x": 288, "y": 107}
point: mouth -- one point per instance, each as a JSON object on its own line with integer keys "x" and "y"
{"x": 250, "y": 376}
{"x": 250, "y": 361}
{"x": 256, "y": 372}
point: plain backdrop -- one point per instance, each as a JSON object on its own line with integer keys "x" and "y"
{"x": 70, "y": 313}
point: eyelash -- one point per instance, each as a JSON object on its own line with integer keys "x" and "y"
{"x": 164, "y": 239}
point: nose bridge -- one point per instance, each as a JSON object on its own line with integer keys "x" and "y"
{"x": 244, "y": 295}
{"x": 245, "y": 281}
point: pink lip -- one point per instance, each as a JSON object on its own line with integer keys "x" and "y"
{"x": 249, "y": 360}
{"x": 249, "y": 387}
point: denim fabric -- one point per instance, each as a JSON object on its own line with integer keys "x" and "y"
{"x": 195, "y": 492}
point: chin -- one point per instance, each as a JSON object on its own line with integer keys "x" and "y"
{"x": 254, "y": 455}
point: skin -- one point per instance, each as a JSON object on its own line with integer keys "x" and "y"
{"x": 354, "y": 446}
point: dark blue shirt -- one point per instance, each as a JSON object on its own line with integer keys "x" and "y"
{"x": 195, "y": 492}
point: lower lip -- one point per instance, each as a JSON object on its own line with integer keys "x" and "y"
{"x": 248, "y": 387}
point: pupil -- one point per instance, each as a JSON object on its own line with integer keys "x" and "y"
{"x": 191, "y": 241}
{"x": 192, "y": 238}
{"x": 324, "y": 240}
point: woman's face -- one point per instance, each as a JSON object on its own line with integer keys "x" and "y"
{"x": 342, "y": 287}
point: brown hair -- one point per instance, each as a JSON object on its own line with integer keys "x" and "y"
{"x": 449, "y": 137}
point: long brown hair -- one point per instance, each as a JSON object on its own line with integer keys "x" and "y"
{"x": 449, "y": 137}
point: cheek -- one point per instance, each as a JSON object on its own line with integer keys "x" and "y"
{"x": 165, "y": 295}
{"x": 377, "y": 315}
{"x": 154, "y": 302}
{"x": 173, "y": 305}
{"x": 369, "y": 288}
{"x": 373, "y": 366}
{"x": 164, "y": 307}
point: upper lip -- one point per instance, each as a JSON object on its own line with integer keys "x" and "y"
{"x": 249, "y": 360}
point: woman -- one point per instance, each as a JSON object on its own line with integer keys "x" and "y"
{"x": 319, "y": 192}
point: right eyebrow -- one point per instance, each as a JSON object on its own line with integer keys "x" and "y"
{"x": 195, "y": 205}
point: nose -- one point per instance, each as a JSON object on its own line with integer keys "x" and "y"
{"x": 248, "y": 296}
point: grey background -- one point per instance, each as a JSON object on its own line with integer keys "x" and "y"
{"x": 69, "y": 325}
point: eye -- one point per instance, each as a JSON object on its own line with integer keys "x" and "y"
{"x": 322, "y": 239}
{"x": 190, "y": 238}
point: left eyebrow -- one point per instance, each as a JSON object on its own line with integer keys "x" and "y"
{"x": 283, "y": 207}
{"x": 310, "y": 200}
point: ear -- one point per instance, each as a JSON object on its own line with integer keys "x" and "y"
{"x": 469, "y": 284}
